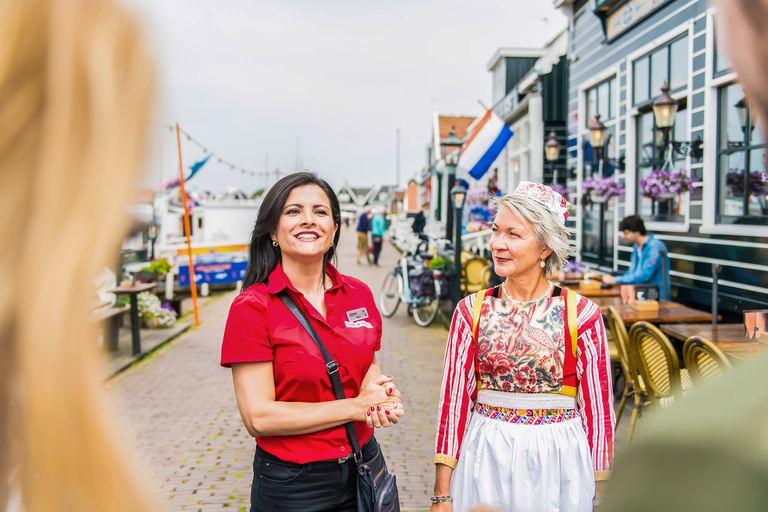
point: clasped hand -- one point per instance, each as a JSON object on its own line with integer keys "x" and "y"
{"x": 380, "y": 403}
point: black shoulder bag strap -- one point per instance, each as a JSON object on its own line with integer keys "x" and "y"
{"x": 331, "y": 366}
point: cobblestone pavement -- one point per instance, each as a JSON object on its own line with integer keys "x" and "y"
{"x": 179, "y": 409}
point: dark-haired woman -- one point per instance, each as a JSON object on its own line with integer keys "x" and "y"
{"x": 283, "y": 390}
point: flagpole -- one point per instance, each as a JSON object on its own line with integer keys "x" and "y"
{"x": 187, "y": 231}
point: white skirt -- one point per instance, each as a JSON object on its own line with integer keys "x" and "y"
{"x": 524, "y": 468}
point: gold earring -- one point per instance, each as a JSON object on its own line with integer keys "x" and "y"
{"x": 543, "y": 264}
{"x": 331, "y": 243}
{"x": 274, "y": 243}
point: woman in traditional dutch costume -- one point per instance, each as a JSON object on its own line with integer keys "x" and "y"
{"x": 525, "y": 418}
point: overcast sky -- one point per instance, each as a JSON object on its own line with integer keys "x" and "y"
{"x": 249, "y": 77}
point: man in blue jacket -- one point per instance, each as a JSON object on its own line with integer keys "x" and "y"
{"x": 645, "y": 266}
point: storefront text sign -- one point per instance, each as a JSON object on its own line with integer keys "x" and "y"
{"x": 623, "y": 17}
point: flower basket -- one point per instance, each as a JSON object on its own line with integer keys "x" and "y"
{"x": 665, "y": 185}
{"x": 758, "y": 183}
{"x": 601, "y": 190}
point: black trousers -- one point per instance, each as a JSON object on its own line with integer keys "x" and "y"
{"x": 280, "y": 486}
{"x": 376, "y": 249}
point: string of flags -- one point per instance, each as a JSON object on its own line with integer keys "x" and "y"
{"x": 212, "y": 156}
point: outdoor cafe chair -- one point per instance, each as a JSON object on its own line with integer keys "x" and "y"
{"x": 472, "y": 275}
{"x": 656, "y": 359}
{"x": 633, "y": 382}
{"x": 704, "y": 360}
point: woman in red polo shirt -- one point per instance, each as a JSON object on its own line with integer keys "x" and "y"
{"x": 282, "y": 387}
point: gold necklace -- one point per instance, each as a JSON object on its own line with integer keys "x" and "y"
{"x": 510, "y": 299}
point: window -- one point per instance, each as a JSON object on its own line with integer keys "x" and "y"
{"x": 741, "y": 194}
{"x": 650, "y": 156}
{"x": 601, "y": 99}
{"x": 723, "y": 64}
{"x": 668, "y": 63}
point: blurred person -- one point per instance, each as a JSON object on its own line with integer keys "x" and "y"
{"x": 378, "y": 230}
{"x": 645, "y": 265}
{"x": 76, "y": 84}
{"x": 525, "y": 417}
{"x": 303, "y": 458}
{"x": 363, "y": 227}
{"x": 420, "y": 222}
{"x": 705, "y": 453}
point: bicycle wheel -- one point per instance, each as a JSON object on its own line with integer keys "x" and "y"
{"x": 389, "y": 298}
{"x": 425, "y": 310}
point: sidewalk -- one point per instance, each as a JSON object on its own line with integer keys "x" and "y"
{"x": 179, "y": 408}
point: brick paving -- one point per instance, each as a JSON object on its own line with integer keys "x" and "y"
{"x": 179, "y": 410}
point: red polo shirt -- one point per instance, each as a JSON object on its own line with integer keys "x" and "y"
{"x": 261, "y": 328}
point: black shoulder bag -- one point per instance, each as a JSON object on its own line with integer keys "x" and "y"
{"x": 376, "y": 487}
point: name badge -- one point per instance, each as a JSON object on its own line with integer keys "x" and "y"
{"x": 357, "y": 314}
{"x": 359, "y": 323}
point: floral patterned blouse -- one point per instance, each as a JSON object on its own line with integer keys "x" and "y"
{"x": 521, "y": 349}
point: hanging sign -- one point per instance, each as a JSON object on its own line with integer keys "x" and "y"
{"x": 623, "y": 17}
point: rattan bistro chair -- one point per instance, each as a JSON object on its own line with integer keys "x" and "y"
{"x": 658, "y": 365}
{"x": 472, "y": 275}
{"x": 704, "y": 360}
{"x": 633, "y": 382}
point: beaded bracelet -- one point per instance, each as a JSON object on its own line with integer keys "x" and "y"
{"x": 441, "y": 499}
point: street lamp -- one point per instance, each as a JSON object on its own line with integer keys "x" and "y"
{"x": 552, "y": 153}
{"x": 450, "y": 148}
{"x": 152, "y": 235}
{"x": 746, "y": 114}
{"x": 664, "y": 110}
{"x": 458, "y": 197}
{"x": 597, "y": 140}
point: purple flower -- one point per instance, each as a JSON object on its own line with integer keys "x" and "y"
{"x": 607, "y": 187}
{"x": 758, "y": 182}
{"x": 664, "y": 183}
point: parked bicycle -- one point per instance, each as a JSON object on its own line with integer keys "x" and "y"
{"x": 414, "y": 283}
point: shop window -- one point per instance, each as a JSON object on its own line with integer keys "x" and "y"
{"x": 742, "y": 180}
{"x": 601, "y": 99}
{"x": 668, "y": 63}
{"x": 723, "y": 64}
{"x": 651, "y": 156}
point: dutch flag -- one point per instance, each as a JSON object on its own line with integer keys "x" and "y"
{"x": 484, "y": 145}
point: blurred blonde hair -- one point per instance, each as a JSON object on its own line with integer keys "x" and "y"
{"x": 76, "y": 85}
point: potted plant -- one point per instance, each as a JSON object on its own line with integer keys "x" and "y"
{"x": 758, "y": 183}
{"x": 600, "y": 190}
{"x": 156, "y": 269}
{"x": 153, "y": 313}
{"x": 664, "y": 185}
{"x": 573, "y": 269}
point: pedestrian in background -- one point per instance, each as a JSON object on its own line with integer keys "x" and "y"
{"x": 420, "y": 222}
{"x": 303, "y": 459}
{"x": 525, "y": 417}
{"x": 363, "y": 227}
{"x": 76, "y": 87}
{"x": 378, "y": 230}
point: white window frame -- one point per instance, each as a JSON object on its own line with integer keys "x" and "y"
{"x": 709, "y": 223}
{"x": 630, "y": 193}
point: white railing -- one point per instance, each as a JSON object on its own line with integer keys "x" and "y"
{"x": 476, "y": 242}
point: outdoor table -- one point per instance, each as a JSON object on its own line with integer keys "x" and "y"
{"x": 731, "y": 339}
{"x": 133, "y": 292}
{"x": 668, "y": 312}
{"x": 613, "y": 291}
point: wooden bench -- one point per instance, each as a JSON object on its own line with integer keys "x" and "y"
{"x": 109, "y": 315}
